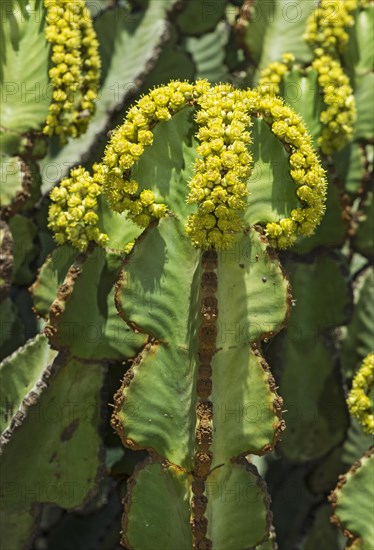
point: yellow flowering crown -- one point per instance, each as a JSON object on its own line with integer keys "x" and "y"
{"x": 219, "y": 186}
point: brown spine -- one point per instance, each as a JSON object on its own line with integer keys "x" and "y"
{"x": 204, "y": 407}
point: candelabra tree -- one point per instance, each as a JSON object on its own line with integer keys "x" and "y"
{"x": 203, "y": 266}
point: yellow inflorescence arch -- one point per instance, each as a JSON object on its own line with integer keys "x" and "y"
{"x": 219, "y": 186}
{"x": 327, "y": 34}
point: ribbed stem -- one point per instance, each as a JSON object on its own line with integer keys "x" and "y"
{"x": 204, "y": 407}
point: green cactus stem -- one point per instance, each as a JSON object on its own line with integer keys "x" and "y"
{"x": 202, "y": 261}
{"x": 178, "y": 400}
{"x": 154, "y": 262}
{"x": 355, "y": 491}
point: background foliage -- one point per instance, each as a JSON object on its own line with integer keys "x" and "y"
{"x": 56, "y": 401}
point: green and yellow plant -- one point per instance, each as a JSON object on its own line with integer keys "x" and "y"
{"x": 207, "y": 240}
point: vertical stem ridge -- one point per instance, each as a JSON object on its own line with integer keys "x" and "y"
{"x": 204, "y": 407}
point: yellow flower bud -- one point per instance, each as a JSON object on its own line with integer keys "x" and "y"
{"x": 147, "y": 197}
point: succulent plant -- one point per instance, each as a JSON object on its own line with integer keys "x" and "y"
{"x": 185, "y": 206}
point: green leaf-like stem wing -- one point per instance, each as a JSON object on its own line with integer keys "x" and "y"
{"x": 237, "y": 510}
{"x": 317, "y": 415}
{"x": 55, "y": 455}
{"x": 353, "y": 501}
{"x": 277, "y": 27}
{"x": 159, "y": 293}
{"x": 83, "y": 318}
{"x": 21, "y": 373}
{"x": 155, "y": 484}
{"x": 24, "y": 83}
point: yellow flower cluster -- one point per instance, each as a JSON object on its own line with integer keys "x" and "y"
{"x": 306, "y": 170}
{"x": 73, "y": 213}
{"x": 326, "y": 26}
{"x": 219, "y": 183}
{"x": 272, "y": 75}
{"x": 127, "y": 145}
{"x": 340, "y": 114}
{"x": 76, "y": 67}
{"x": 359, "y": 402}
{"x": 327, "y": 34}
